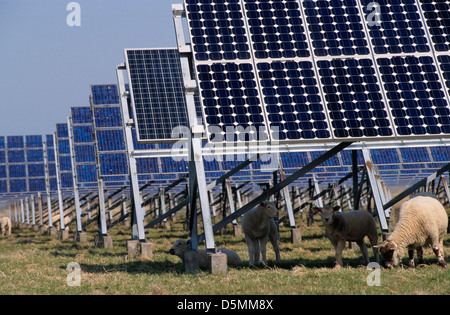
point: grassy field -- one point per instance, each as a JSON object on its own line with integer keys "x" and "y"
{"x": 34, "y": 264}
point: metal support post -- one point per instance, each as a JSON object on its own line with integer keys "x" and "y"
{"x": 136, "y": 199}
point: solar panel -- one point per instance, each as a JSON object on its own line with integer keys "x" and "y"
{"x": 321, "y": 70}
{"x": 110, "y": 141}
{"x": 437, "y": 17}
{"x": 415, "y": 95}
{"x": 84, "y": 145}
{"x": 401, "y": 29}
{"x": 63, "y": 155}
{"x": 157, "y": 93}
{"x": 336, "y": 27}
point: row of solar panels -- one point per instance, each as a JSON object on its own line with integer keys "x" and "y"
{"x": 316, "y": 71}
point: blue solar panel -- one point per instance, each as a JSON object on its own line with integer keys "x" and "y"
{"x": 276, "y": 29}
{"x": 105, "y": 94}
{"x": 230, "y": 100}
{"x": 335, "y": 27}
{"x": 354, "y": 99}
{"x": 81, "y": 115}
{"x": 217, "y": 30}
{"x": 292, "y": 100}
{"x": 444, "y": 64}
{"x": 401, "y": 29}
{"x": 83, "y": 141}
{"x": 414, "y": 155}
{"x": 157, "y": 92}
{"x": 16, "y": 156}
{"x": 108, "y": 117}
{"x": 113, "y": 164}
{"x": 415, "y": 95}
{"x": 110, "y": 140}
{"x": 437, "y": 17}
{"x": 15, "y": 142}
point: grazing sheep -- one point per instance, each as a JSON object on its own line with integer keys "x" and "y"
{"x": 180, "y": 246}
{"x": 259, "y": 227}
{"x": 422, "y": 220}
{"x": 5, "y": 226}
{"x": 350, "y": 226}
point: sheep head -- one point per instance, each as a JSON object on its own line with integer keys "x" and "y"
{"x": 269, "y": 209}
{"x": 327, "y": 213}
{"x": 390, "y": 253}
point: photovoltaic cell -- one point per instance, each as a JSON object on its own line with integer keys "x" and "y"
{"x": 353, "y": 98}
{"x": 157, "y": 92}
{"x": 335, "y": 27}
{"x": 415, "y": 95}
{"x": 276, "y": 29}
{"x": 401, "y": 29}
{"x": 437, "y": 17}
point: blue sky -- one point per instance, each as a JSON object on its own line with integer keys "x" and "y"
{"x": 48, "y": 67}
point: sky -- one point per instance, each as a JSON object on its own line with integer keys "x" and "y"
{"x": 47, "y": 66}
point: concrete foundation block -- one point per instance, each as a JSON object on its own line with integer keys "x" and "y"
{"x": 237, "y": 230}
{"x": 217, "y": 263}
{"x": 51, "y": 231}
{"x": 80, "y": 237}
{"x": 296, "y": 236}
{"x": 63, "y": 235}
{"x": 103, "y": 241}
{"x": 190, "y": 261}
{"x": 132, "y": 248}
{"x": 146, "y": 250}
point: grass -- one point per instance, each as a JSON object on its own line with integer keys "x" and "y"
{"x": 34, "y": 264}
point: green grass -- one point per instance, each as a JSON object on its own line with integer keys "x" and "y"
{"x": 34, "y": 264}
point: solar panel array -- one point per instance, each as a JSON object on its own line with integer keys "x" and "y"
{"x": 322, "y": 70}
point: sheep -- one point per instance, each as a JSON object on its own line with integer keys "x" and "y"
{"x": 180, "y": 246}
{"x": 350, "y": 226}
{"x": 422, "y": 220}
{"x": 5, "y": 226}
{"x": 259, "y": 227}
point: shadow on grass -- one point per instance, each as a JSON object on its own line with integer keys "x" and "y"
{"x": 135, "y": 267}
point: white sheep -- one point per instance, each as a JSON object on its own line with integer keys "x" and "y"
{"x": 180, "y": 246}
{"x": 350, "y": 226}
{"x": 422, "y": 220}
{"x": 5, "y": 226}
{"x": 259, "y": 227}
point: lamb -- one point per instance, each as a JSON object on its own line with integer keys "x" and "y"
{"x": 259, "y": 227}
{"x": 180, "y": 246}
{"x": 422, "y": 220}
{"x": 5, "y": 226}
{"x": 350, "y": 226}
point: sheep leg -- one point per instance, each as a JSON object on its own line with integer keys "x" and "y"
{"x": 276, "y": 246}
{"x": 411, "y": 256}
{"x": 438, "y": 250}
{"x": 365, "y": 253}
{"x": 253, "y": 250}
{"x": 374, "y": 241}
{"x": 263, "y": 245}
{"x": 339, "y": 248}
{"x": 419, "y": 254}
